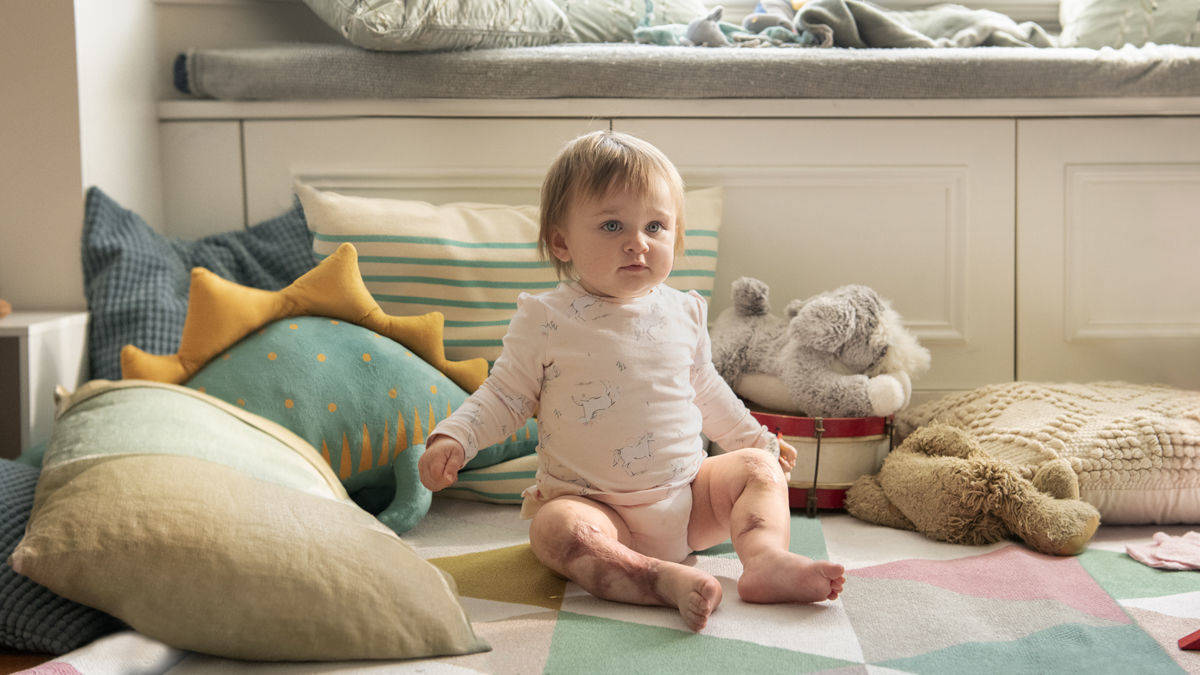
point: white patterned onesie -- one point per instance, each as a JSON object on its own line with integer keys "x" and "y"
{"x": 623, "y": 388}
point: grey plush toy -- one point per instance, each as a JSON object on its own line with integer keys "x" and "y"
{"x": 843, "y": 353}
{"x": 706, "y": 31}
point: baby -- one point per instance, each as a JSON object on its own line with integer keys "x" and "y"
{"x": 617, "y": 366}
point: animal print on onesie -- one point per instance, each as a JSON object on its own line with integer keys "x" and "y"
{"x": 623, "y": 388}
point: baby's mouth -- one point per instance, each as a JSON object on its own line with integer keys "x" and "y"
{"x": 635, "y": 267}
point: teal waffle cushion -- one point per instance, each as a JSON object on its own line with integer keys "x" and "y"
{"x": 136, "y": 280}
{"x": 365, "y": 402}
{"x": 32, "y": 618}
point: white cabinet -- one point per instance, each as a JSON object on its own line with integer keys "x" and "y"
{"x": 920, "y": 210}
{"x": 1108, "y": 259}
{"x": 202, "y": 178}
{"x": 435, "y": 160}
{"x": 38, "y": 352}
{"x": 1014, "y": 246}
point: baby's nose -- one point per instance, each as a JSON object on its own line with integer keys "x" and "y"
{"x": 637, "y": 243}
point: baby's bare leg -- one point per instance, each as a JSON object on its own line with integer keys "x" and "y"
{"x": 743, "y": 494}
{"x": 585, "y": 541}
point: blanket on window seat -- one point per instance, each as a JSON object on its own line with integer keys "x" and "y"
{"x": 326, "y": 71}
{"x": 861, "y": 24}
{"x": 910, "y": 605}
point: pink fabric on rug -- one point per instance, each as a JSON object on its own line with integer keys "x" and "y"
{"x": 1167, "y": 552}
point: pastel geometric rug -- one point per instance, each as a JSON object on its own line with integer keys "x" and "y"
{"x": 910, "y": 605}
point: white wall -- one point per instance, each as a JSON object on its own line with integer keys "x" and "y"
{"x": 41, "y": 208}
{"x": 77, "y": 108}
{"x": 118, "y": 122}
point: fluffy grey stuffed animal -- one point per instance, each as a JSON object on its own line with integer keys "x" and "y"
{"x": 706, "y": 31}
{"x": 843, "y": 353}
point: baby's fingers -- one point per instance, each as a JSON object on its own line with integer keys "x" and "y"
{"x": 431, "y": 470}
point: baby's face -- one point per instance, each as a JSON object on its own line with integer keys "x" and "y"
{"x": 621, "y": 244}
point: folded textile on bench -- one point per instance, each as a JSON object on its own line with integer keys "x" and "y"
{"x": 861, "y": 24}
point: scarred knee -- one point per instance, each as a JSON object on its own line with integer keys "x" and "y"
{"x": 557, "y": 540}
{"x": 760, "y": 467}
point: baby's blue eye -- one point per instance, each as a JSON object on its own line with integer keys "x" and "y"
{"x": 611, "y": 226}
{"x": 654, "y": 228}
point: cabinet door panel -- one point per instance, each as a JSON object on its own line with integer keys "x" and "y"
{"x": 1109, "y": 233}
{"x": 435, "y": 160}
{"x": 202, "y": 178}
{"x": 920, "y": 210}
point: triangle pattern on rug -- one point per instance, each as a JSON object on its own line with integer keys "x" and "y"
{"x": 1011, "y": 573}
{"x": 1171, "y": 633}
{"x": 511, "y": 574}
{"x": 819, "y": 628}
{"x": 1071, "y": 648}
{"x": 900, "y": 618}
{"x": 1123, "y": 577}
{"x": 590, "y": 644}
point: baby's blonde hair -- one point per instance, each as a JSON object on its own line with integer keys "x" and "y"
{"x": 589, "y": 167}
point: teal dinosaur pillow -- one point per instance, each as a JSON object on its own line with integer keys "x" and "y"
{"x": 364, "y": 401}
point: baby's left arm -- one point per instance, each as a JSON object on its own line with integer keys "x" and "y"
{"x": 726, "y": 420}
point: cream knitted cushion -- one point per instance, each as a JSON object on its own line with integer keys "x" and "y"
{"x": 1135, "y": 448}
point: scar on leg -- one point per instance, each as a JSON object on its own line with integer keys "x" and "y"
{"x": 607, "y": 569}
{"x": 753, "y": 522}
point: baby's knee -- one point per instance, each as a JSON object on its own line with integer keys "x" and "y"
{"x": 760, "y": 466}
{"x": 558, "y": 536}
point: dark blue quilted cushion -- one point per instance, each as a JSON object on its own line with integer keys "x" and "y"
{"x": 33, "y": 619}
{"x": 136, "y": 280}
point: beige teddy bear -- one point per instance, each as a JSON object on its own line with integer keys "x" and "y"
{"x": 941, "y": 484}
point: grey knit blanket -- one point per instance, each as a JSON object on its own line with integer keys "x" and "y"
{"x": 311, "y": 71}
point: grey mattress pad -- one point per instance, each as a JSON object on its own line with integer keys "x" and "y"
{"x": 626, "y": 70}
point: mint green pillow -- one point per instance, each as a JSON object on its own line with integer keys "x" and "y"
{"x": 1115, "y": 23}
{"x": 365, "y": 402}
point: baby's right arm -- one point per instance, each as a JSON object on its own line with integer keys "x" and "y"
{"x": 440, "y": 464}
{"x": 503, "y": 402}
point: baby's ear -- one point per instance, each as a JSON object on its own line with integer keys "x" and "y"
{"x": 823, "y": 324}
{"x": 558, "y": 245}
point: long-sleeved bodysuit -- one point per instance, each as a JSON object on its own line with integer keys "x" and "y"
{"x": 622, "y": 388}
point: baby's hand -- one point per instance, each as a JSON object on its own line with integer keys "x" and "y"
{"x": 441, "y": 462}
{"x": 787, "y": 456}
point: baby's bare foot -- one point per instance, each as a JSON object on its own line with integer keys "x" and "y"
{"x": 694, "y": 592}
{"x": 783, "y": 576}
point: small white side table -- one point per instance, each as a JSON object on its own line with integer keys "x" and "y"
{"x": 38, "y": 351}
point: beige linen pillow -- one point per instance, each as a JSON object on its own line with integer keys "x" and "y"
{"x": 470, "y": 261}
{"x": 1115, "y": 23}
{"x": 1135, "y": 448}
{"x": 421, "y": 25}
{"x": 244, "y": 547}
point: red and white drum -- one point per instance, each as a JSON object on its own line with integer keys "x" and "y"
{"x": 831, "y": 453}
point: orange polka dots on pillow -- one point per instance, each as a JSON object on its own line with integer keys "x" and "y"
{"x": 363, "y": 401}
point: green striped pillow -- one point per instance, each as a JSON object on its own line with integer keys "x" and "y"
{"x": 499, "y": 483}
{"x": 470, "y": 261}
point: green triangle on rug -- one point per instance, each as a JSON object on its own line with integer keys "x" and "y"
{"x": 1070, "y": 647}
{"x": 591, "y": 644}
{"x": 1123, "y": 577}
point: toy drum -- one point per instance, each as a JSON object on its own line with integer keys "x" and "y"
{"x": 831, "y": 453}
